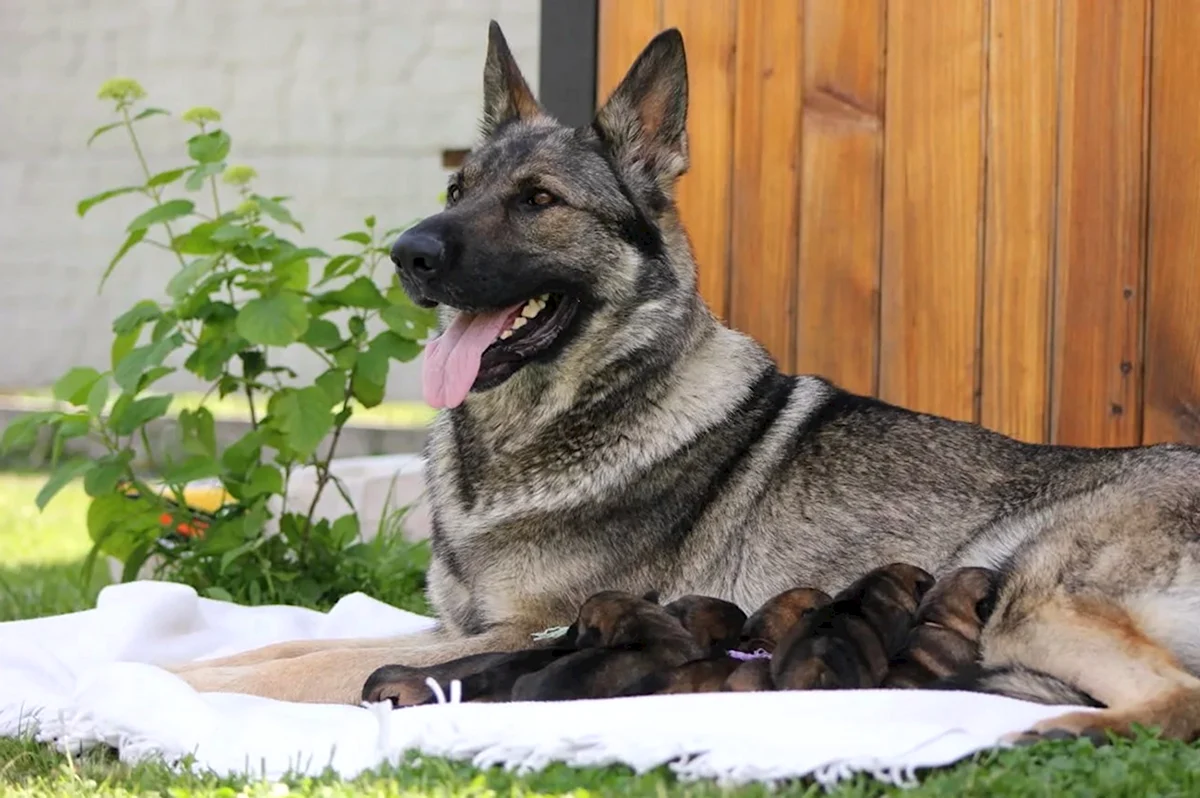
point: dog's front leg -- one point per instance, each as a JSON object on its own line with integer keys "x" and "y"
{"x": 337, "y": 675}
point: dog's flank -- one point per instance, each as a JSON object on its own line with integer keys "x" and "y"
{"x": 849, "y": 642}
{"x": 622, "y": 438}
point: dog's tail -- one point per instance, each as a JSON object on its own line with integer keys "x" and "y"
{"x": 1017, "y": 681}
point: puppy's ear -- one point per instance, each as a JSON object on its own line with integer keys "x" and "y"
{"x": 651, "y": 596}
{"x": 506, "y": 95}
{"x": 644, "y": 122}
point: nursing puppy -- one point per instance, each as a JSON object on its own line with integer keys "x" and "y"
{"x": 849, "y": 642}
{"x": 716, "y": 624}
{"x": 945, "y": 639}
{"x": 774, "y": 619}
{"x": 622, "y": 639}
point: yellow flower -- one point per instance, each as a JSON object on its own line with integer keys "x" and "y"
{"x": 121, "y": 90}
{"x": 201, "y": 115}
{"x": 236, "y": 175}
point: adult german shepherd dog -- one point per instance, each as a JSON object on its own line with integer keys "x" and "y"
{"x": 600, "y": 430}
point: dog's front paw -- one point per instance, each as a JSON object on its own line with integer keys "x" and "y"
{"x": 1071, "y": 726}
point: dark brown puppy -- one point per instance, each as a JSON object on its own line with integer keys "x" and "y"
{"x": 716, "y": 624}
{"x": 698, "y": 676}
{"x": 483, "y": 677}
{"x": 751, "y": 676}
{"x": 945, "y": 640}
{"x": 770, "y": 622}
{"x": 623, "y": 639}
{"x": 849, "y": 642}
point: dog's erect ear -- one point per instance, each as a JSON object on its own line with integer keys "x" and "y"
{"x": 506, "y": 95}
{"x": 645, "y": 118}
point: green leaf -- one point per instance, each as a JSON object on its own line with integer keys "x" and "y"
{"x": 203, "y": 172}
{"x": 369, "y": 222}
{"x": 183, "y": 280}
{"x": 243, "y": 453}
{"x": 218, "y": 594}
{"x": 135, "y": 560}
{"x": 345, "y": 531}
{"x": 322, "y": 334}
{"x": 138, "y": 413}
{"x": 22, "y": 431}
{"x": 160, "y": 214}
{"x": 62, "y": 476}
{"x": 396, "y": 347}
{"x": 231, "y": 234}
{"x": 167, "y": 177}
{"x": 209, "y": 147}
{"x": 136, "y": 317}
{"x": 287, "y": 254}
{"x": 132, "y": 240}
{"x": 304, "y": 416}
{"x": 359, "y": 293}
{"x": 273, "y": 321}
{"x": 100, "y": 131}
{"x": 356, "y": 237}
{"x": 333, "y": 383}
{"x": 97, "y": 396}
{"x": 108, "y": 473}
{"x": 254, "y": 363}
{"x": 128, "y": 372}
{"x": 87, "y": 204}
{"x": 264, "y": 480}
{"x": 191, "y": 469}
{"x": 151, "y": 112}
{"x": 291, "y": 276}
{"x": 277, "y": 211}
{"x": 74, "y": 386}
{"x": 340, "y": 266}
{"x": 119, "y": 524}
{"x": 197, "y": 432}
{"x": 369, "y": 380}
{"x": 122, "y": 345}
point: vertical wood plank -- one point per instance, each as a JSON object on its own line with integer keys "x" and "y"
{"x": 766, "y": 160}
{"x": 932, "y": 174}
{"x": 1022, "y": 125}
{"x": 1098, "y": 285}
{"x": 1172, "y": 391}
{"x": 624, "y": 28}
{"x": 709, "y": 31}
{"x": 837, "y": 325}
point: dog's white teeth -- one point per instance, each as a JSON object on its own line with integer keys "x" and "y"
{"x": 519, "y": 322}
{"x": 531, "y": 309}
{"x": 506, "y": 334}
{"x": 544, "y": 298}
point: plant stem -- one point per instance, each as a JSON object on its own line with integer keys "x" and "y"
{"x": 154, "y": 193}
{"x": 322, "y": 468}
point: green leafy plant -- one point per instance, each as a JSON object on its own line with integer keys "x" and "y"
{"x": 238, "y": 293}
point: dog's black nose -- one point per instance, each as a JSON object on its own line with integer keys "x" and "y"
{"x": 418, "y": 252}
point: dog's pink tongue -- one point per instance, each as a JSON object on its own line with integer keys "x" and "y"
{"x": 452, "y": 359}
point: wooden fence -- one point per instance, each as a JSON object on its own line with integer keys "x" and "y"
{"x": 986, "y": 209}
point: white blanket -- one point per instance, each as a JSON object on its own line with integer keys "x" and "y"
{"x": 86, "y": 679}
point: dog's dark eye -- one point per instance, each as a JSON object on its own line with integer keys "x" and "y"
{"x": 540, "y": 199}
{"x": 453, "y": 194}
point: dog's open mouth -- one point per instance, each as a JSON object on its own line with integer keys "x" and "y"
{"x": 481, "y": 350}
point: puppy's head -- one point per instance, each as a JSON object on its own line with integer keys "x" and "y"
{"x": 716, "y": 624}
{"x": 957, "y": 601}
{"x": 614, "y": 619}
{"x": 770, "y": 622}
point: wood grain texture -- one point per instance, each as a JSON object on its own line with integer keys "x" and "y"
{"x": 837, "y": 325}
{"x": 623, "y": 29}
{"x": 932, "y": 179}
{"x": 1172, "y": 390}
{"x": 1022, "y": 121}
{"x": 766, "y": 166}
{"x": 1100, "y": 247}
{"x": 709, "y": 31}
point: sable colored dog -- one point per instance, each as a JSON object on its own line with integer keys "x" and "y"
{"x": 767, "y": 625}
{"x": 716, "y": 624}
{"x": 599, "y": 429}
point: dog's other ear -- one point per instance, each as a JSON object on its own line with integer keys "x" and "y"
{"x": 506, "y": 95}
{"x": 651, "y": 596}
{"x": 645, "y": 119}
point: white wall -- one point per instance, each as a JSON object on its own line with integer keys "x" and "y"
{"x": 346, "y": 105}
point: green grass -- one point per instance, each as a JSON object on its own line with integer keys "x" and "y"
{"x": 40, "y": 561}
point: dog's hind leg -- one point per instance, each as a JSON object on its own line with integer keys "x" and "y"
{"x": 1098, "y": 646}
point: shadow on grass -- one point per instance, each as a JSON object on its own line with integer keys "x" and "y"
{"x": 38, "y": 590}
